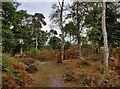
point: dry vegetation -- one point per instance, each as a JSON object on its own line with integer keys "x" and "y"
{"x": 14, "y": 74}
{"x": 40, "y": 69}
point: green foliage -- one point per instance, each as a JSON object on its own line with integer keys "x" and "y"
{"x": 82, "y": 66}
{"x": 53, "y": 32}
{"x": 43, "y": 38}
{"x": 54, "y": 42}
{"x": 16, "y": 25}
{"x": 13, "y": 73}
{"x": 10, "y": 72}
{"x": 6, "y": 60}
{"x": 113, "y": 24}
{"x": 88, "y": 47}
{"x": 47, "y": 48}
{"x": 6, "y": 63}
{"x": 10, "y": 26}
{"x": 93, "y": 21}
{"x": 9, "y": 41}
{"x": 70, "y": 29}
{"x": 32, "y": 53}
{"x": 68, "y": 46}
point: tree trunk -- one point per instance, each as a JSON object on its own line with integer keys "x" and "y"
{"x": 62, "y": 37}
{"x": 59, "y": 56}
{"x": 80, "y": 49}
{"x": 70, "y": 38}
{"x": 21, "y": 51}
{"x": 106, "y": 52}
{"x": 36, "y": 42}
{"x": 78, "y": 34}
{"x": 21, "y": 46}
{"x": 62, "y": 46}
{"x": 97, "y": 48}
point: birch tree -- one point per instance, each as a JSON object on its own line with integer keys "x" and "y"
{"x": 62, "y": 36}
{"x": 106, "y": 51}
{"x": 57, "y": 18}
{"x": 77, "y": 13}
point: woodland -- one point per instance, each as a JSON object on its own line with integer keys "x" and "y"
{"x": 85, "y": 52}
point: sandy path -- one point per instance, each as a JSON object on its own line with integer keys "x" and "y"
{"x": 50, "y": 73}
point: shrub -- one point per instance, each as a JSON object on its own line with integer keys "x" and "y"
{"x": 31, "y": 69}
{"x": 45, "y": 56}
{"x": 71, "y": 54}
{"x": 68, "y": 77}
{"x": 117, "y": 68}
{"x": 32, "y": 53}
{"x": 84, "y": 62}
{"x": 14, "y": 73}
{"x": 87, "y": 81}
{"x": 28, "y": 61}
{"x": 6, "y": 61}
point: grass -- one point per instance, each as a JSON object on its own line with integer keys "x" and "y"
{"x": 41, "y": 77}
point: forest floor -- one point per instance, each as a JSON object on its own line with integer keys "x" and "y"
{"x": 49, "y": 74}
{"x": 70, "y": 73}
{"x": 31, "y": 71}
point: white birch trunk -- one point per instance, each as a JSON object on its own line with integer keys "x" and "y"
{"x": 80, "y": 51}
{"x": 36, "y": 43}
{"x": 62, "y": 36}
{"x": 106, "y": 51}
{"x": 62, "y": 48}
{"x": 21, "y": 51}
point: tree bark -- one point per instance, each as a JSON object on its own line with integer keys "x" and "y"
{"x": 62, "y": 36}
{"x": 80, "y": 51}
{"x": 59, "y": 56}
{"x": 36, "y": 42}
{"x": 78, "y": 34}
{"x": 80, "y": 48}
{"x": 21, "y": 51}
{"x": 62, "y": 47}
{"x": 70, "y": 38}
{"x": 106, "y": 51}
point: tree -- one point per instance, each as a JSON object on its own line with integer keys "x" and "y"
{"x": 37, "y": 22}
{"x": 20, "y": 26}
{"x": 78, "y": 10}
{"x": 57, "y": 17}
{"x": 112, "y": 24}
{"x": 106, "y": 51}
{"x": 22, "y": 30}
{"x": 54, "y": 42}
{"x": 69, "y": 29}
{"x": 93, "y": 21}
{"x": 61, "y": 27}
{"x": 9, "y": 25}
{"x": 96, "y": 38}
{"x": 43, "y": 38}
{"x": 53, "y": 32}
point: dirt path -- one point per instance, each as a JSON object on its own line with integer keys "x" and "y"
{"x": 49, "y": 75}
